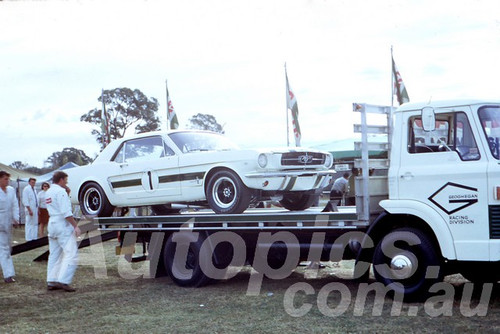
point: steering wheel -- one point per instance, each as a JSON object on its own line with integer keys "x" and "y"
{"x": 442, "y": 144}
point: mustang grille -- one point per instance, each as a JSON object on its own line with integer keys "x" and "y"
{"x": 302, "y": 159}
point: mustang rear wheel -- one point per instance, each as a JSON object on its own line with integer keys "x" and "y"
{"x": 226, "y": 193}
{"x": 93, "y": 201}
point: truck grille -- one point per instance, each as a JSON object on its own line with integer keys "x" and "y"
{"x": 494, "y": 217}
{"x": 302, "y": 159}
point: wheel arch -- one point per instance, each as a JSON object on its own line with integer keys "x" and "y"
{"x": 425, "y": 219}
{"x": 82, "y": 185}
{"x": 212, "y": 171}
{"x": 388, "y": 222}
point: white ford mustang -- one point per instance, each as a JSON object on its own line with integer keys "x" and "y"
{"x": 196, "y": 167}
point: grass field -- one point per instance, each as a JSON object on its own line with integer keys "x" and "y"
{"x": 111, "y": 299}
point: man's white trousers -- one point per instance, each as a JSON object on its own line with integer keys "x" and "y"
{"x": 31, "y": 226}
{"x": 5, "y": 258}
{"x": 63, "y": 248}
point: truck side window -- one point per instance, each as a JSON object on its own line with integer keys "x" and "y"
{"x": 421, "y": 141}
{"x": 490, "y": 122}
{"x": 452, "y": 133}
{"x": 465, "y": 142}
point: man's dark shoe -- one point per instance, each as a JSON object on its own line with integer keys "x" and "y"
{"x": 65, "y": 287}
{"x": 10, "y": 280}
{"x": 52, "y": 286}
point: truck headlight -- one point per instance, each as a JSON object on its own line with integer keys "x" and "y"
{"x": 262, "y": 160}
{"x": 328, "y": 161}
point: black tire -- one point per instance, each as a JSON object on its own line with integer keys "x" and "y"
{"x": 164, "y": 210}
{"x": 226, "y": 193}
{"x": 185, "y": 272}
{"x": 298, "y": 201}
{"x": 406, "y": 256}
{"x": 93, "y": 201}
{"x": 481, "y": 272}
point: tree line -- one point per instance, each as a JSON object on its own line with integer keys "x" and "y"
{"x": 125, "y": 109}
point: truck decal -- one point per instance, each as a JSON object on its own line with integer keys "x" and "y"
{"x": 453, "y": 197}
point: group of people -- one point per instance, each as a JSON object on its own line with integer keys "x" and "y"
{"x": 51, "y": 207}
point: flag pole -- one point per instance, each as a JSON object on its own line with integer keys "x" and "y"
{"x": 286, "y": 108}
{"x": 392, "y": 80}
{"x": 104, "y": 117}
{"x": 166, "y": 90}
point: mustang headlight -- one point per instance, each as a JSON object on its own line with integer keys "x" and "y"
{"x": 328, "y": 161}
{"x": 262, "y": 160}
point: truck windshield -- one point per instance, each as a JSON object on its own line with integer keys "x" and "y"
{"x": 490, "y": 121}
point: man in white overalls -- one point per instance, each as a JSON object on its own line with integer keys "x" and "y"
{"x": 9, "y": 214}
{"x": 30, "y": 202}
{"x": 62, "y": 232}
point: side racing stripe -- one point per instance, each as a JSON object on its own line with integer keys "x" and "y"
{"x": 162, "y": 179}
{"x": 182, "y": 177}
{"x": 126, "y": 183}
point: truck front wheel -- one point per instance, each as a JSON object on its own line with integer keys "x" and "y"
{"x": 407, "y": 262}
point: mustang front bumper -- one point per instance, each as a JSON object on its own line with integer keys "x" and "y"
{"x": 301, "y": 180}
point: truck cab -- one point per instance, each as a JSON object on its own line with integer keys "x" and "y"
{"x": 448, "y": 164}
{"x": 444, "y": 187}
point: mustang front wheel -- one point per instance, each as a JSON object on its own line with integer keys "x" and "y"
{"x": 298, "y": 201}
{"x": 226, "y": 193}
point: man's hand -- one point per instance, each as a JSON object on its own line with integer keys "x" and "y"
{"x": 29, "y": 211}
{"x": 77, "y": 231}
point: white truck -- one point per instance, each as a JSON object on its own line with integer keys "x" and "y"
{"x": 434, "y": 212}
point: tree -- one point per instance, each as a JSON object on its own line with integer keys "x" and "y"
{"x": 124, "y": 108}
{"x": 205, "y": 122}
{"x": 27, "y": 168}
{"x": 19, "y": 165}
{"x": 68, "y": 154}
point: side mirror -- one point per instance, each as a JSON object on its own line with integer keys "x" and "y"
{"x": 428, "y": 119}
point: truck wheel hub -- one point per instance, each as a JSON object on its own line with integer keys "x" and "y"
{"x": 401, "y": 266}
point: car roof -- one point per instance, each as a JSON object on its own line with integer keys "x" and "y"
{"x": 110, "y": 150}
{"x": 163, "y": 132}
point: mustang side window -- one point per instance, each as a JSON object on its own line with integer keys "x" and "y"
{"x": 142, "y": 149}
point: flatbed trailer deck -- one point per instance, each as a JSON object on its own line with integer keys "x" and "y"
{"x": 250, "y": 220}
{"x": 275, "y": 237}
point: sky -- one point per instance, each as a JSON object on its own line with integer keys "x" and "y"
{"x": 227, "y": 58}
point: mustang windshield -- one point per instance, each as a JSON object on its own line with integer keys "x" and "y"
{"x": 201, "y": 141}
{"x": 490, "y": 121}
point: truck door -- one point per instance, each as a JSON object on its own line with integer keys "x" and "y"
{"x": 445, "y": 169}
{"x": 489, "y": 119}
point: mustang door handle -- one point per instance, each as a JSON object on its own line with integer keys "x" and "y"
{"x": 407, "y": 176}
{"x": 123, "y": 165}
